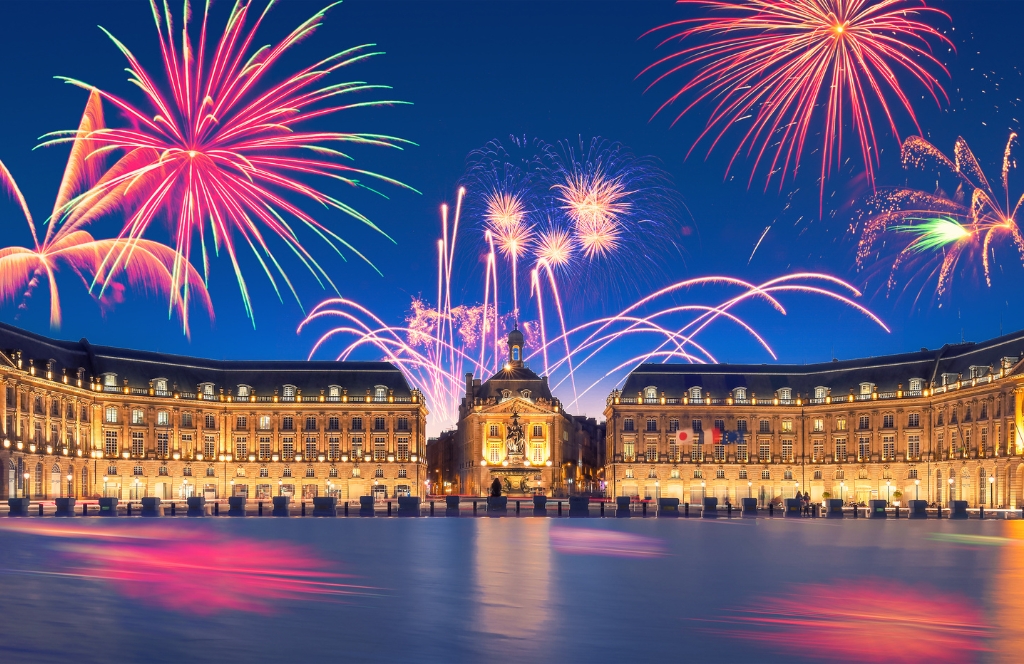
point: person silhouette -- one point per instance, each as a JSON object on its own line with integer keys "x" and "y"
{"x": 496, "y": 487}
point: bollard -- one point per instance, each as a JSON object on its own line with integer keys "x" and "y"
{"x": 938, "y": 511}
{"x": 346, "y": 508}
{"x": 259, "y": 507}
{"x": 855, "y": 510}
{"x": 602, "y": 509}
{"x": 644, "y": 505}
{"x": 981, "y": 511}
{"x": 432, "y": 507}
{"x": 85, "y": 510}
{"x": 771, "y": 509}
{"x": 389, "y": 508}
{"x": 302, "y": 504}
{"x": 897, "y": 511}
{"x": 517, "y": 508}
{"x": 216, "y": 509}
{"x": 40, "y": 509}
{"x": 474, "y": 508}
{"x": 728, "y": 510}
{"x": 686, "y": 510}
{"x": 560, "y": 508}
{"x": 814, "y": 511}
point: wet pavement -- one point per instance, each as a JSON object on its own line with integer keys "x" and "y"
{"x": 510, "y": 589}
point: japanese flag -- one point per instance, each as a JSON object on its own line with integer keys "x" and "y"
{"x": 687, "y": 436}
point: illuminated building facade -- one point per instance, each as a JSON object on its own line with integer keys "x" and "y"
{"x": 512, "y": 429}
{"x": 85, "y": 421}
{"x": 932, "y": 425}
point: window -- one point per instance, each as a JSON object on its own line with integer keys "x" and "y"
{"x": 673, "y": 425}
{"x": 138, "y": 416}
{"x": 913, "y": 446}
{"x": 914, "y": 420}
{"x": 888, "y": 448}
{"x": 162, "y": 443}
{"x": 138, "y": 443}
{"x": 137, "y": 470}
{"x": 840, "y": 450}
{"x": 939, "y": 420}
{"x": 493, "y": 431}
{"x": 187, "y": 471}
{"x": 818, "y": 451}
{"x": 787, "y": 450}
{"x": 288, "y": 393}
{"x": 719, "y": 451}
{"x": 538, "y": 453}
{"x": 210, "y": 472}
{"x": 209, "y": 446}
{"x": 764, "y": 453}
{"x": 720, "y": 474}
{"x": 673, "y": 452}
{"x": 697, "y": 425}
{"x": 967, "y": 414}
{"x": 984, "y": 411}
{"x": 287, "y": 472}
{"x": 402, "y": 424}
{"x": 403, "y": 449}
{"x": 311, "y": 424}
{"x": 287, "y": 423}
{"x": 186, "y": 420}
{"x": 743, "y": 473}
{"x": 652, "y": 451}
{"x": 210, "y": 422}
{"x": 916, "y": 384}
{"x": 820, "y": 392}
{"x": 627, "y": 424}
{"x": 264, "y": 448}
{"x": 241, "y": 448}
{"x": 866, "y": 388}
{"x": 538, "y": 430}
{"x": 652, "y": 424}
{"x": 887, "y": 421}
{"x": 334, "y": 448}
{"x": 694, "y": 393}
{"x": 787, "y": 475}
{"x": 696, "y": 452}
{"x": 241, "y": 422}
{"x": 288, "y": 448}
{"x": 357, "y": 448}
{"x": 310, "y": 472}
{"x": 208, "y": 390}
{"x": 311, "y": 448}
{"x": 984, "y": 438}
{"x": 741, "y": 452}
{"x": 380, "y": 393}
{"x": 787, "y": 426}
{"x": 110, "y": 443}
{"x": 334, "y": 392}
{"x": 264, "y": 471}
{"x": 952, "y": 415}
{"x": 163, "y": 418}
{"x": 162, "y": 471}
{"x": 864, "y": 422}
{"x": 380, "y": 452}
{"x": 333, "y": 472}
{"x": 940, "y": 442}
{"x": 379, "y": 424}
{"x": 863, "y": 448}
{"x": 741, "y": 426}
{"x": 766, "y": 474}
{"x": 186, "y": 442}
{"x": 819, "y": 424}
{"x": 650, "y": 393}
{"x": 839, "y": 474}
{"x": 110, "y": 415}
{"x": 912, "y": 473}
{"x": 240, "y": 471}
{"x": 764, "y": 426}
{"x": 628, "y": 451}
{"x": 817, "y": 474}
{"x": 243, "y": 391}
{"x": 111, "y": 469}
{"x": 786, "y": 394}
{"x": 698, "y": 474}
{"x": 264, "y": 422}
{"x": 379, "y": 472}
{"x": 740, "y": 393}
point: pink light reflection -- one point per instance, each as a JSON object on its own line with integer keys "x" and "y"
{"x": 596, "y": 542}
{"x": 864, "y": 620}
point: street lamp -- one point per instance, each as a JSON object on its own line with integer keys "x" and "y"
{"x": 917, "y": 487}
{"x": 570, "y": 485}
{"x": 136, "y": 488}
{"x": 71, "y": 487}
{"x": 750, "y": 489}
{"x": 24, "y": 490}
{"x": 887, "y": 483}
{"x": 703, "y": 492}
{"x": 104, "y": 485}
{"x": 184, "y": 488}
{"x": 842, "y": 488}
{"x": 657, "y": 491}
{"x": 991, "y": 487}
{"x": 951, "y": 493}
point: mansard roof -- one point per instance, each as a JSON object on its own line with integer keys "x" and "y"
{"x": 886, "y": 373}
{"x": 140, "y": 367}
{"x": 514, "y": 379}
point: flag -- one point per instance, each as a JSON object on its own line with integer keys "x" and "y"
{"x": 733, "y": 437}
{"x": 687, "y": 436}
{"x": 712, "y": 437}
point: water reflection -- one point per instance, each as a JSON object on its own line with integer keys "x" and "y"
{"x": 864, "y": 620}
{"x": 1007, "y": 592}
{"x": 188, "y": 570}
{"x": 512, "y": 575}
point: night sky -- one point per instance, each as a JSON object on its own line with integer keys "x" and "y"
{"x": 477, "y": 71}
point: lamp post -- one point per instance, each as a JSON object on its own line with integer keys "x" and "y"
{"x": 950, "y": 493}
{"x": 24, "y": 489}
{"x": 427, "y": 483}
{"x": 104, "y": 485}
{"x": 991, "y": 488}
{"x": 750, "y": 489}
{"x": 917, "y": 487}
{"x": 887, "y": 494}
{"x": 569, "y": 480}
{"x": 280, "y": 487}
{"x": 136, "y": 488}
{"x": 184, "y": 489}
{"x": 703, "y": 491}
{"x": 71, "y": 486}
{"x": 657, "y": 491}
{"x": 842, "y": 488}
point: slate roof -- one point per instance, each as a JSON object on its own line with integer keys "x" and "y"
{"x": 140, "y": 367}
{"x": 515, "y": 379}
{"x": 885, "y": 372}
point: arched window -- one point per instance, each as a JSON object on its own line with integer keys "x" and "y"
{"x": 55, "y": 469}
{"x": 694, "y": 393}
{"x": 820, "y": 392}
{"x": 110, "y": 380}
{"x": 287, "y": 472}
{"x": 380, "y": 393}
{"x": 243, "y": 391}
{"x": 39, "y": 480}
{"x": 333, "y": 472}
{"x": 264, "y": 471}
{"x": 111, "y": 469}
{"x": 160, "y": 386}
{"x": 982, "y": 489}
{"x": 210, "y": 472}
{"x": 740, "y": 393}
{"x": 163, "y": 471}
{"x": 379, "y": 472}
{"x": 650, "y": 393}
{"x": 786, "y": 394}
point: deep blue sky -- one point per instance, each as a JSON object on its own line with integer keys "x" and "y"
{"x": 475, "y": 71}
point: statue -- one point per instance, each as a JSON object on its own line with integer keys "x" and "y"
{"x": 496, "y": 488}
{"x": 515, "y": 441}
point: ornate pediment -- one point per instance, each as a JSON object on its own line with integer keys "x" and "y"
{"x": 517, "y": 405}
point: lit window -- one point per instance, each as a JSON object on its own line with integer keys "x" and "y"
{"x": 138, "y": 416}
{"x": 766, "y": 474}
{"x": 111, "y": 415}
{"x": 243, "y": 391}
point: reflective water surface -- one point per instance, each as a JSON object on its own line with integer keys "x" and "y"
{"x": 527, "y": 589}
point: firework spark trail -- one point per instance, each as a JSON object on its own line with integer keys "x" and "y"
{"x": 956, "y": 228}
{"x": 784, "y": 63}
{"x": 70, "y": 245}
{"x": 216, "y": 148}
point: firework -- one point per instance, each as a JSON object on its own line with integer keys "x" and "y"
{"x": 69, "y": 246}
{"x": 780, "y": 69}
{"x": 942, "y": 231}
{"x": 439, "y": 343}
{"x": 223, "y": 156}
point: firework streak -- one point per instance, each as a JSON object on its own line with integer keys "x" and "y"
{"x": 777, "y": 66}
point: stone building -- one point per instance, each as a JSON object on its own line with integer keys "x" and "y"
{"x": 933, "y": 425}
{"x": 512, "y": 429}
{"x": 87, "y": 421}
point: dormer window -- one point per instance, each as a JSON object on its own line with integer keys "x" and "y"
{"x": 334, "y": 391}
{"x": 380, "y": 393}
{"x": 978, "y": 371}
{"x": 650, "y": 393}
{"x": 243, "y": 391}
{"x": 949, "y": 378}
{"x": 506, "y": 394}
{"x": 740, "y": 393}
{"x": 820, "y": 392}
{"x": 525, "y": 393}
{"x": 160, "y": 385}
{"x": 694, "y": 393}
{"x": 916, "y": 384}
{"x": 866, "y": 388}
{"x": 515, "y": 353}
{"x": 288, "y": 392}
{"x": 1007, "y": 363}
{"x": 207, "y": 390}
{"x": 785, "y": 393}
{"x": 109, "y": 380}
